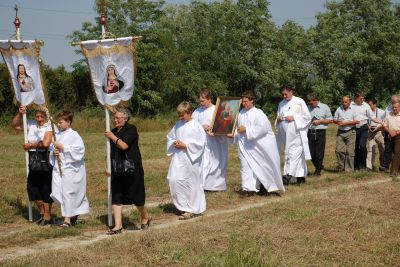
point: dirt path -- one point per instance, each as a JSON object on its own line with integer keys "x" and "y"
{"x": 91, "y": 237}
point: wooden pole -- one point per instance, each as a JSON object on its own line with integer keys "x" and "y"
{"x": 103, "y": 21}
{"x": 17, "y": 24}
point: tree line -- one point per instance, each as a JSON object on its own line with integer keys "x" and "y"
{"x": 231, "y": 46}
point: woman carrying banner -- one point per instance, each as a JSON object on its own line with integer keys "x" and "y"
{"x": 186, "y": 142}
{"x": 69, "y": 182}
{"x": 127, "y": 182}
{"x": 39, "y": 181}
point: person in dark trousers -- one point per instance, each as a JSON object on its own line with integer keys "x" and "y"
{"x": 387, "y": 155}
{"x": 321, "y": 116}
{"x": 362, "y": 112}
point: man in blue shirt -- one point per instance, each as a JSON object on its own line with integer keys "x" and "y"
{"x": 321, "y": 116}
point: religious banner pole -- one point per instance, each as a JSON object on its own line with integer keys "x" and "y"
{"x": 112, "y": 64}
{"x": 22, "y": 58}
{"x": 108, "y": 128}
{"x": 17, "y": 24}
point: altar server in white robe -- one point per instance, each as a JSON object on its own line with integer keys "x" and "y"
{"x": 293, "y": 119}
{"x": 186, "y": 142}
{"x": 69, "y": 185}
{"x": 258, "y": 150}
{"x": 215, "y": 156}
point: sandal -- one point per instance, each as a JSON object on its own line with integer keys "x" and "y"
{"x": 65, "y": 225}
{"x": 114, "y": 232}
{"x": 144, "y": 226}
{"x": 186, "y": 216}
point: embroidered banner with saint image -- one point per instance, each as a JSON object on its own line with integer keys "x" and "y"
{"x": 22, "y": 60}
{"x": 112, "y": 66}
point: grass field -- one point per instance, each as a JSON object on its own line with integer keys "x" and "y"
{"x": 334, "y": 220}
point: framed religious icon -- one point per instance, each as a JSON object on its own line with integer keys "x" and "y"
{"x": 225, "y": 115}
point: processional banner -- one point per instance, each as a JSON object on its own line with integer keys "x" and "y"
{"x": 112, "y": 65}
{"x": 22, "y": 60}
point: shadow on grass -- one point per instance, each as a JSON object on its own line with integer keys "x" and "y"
{"x": 21, "y": 208}
{"x": 127, "y": 223}
{"x": 169, "y": 208}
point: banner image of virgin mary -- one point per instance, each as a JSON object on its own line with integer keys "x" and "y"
{"x": 113, "y": 82}
{"x": 25, "y": 82}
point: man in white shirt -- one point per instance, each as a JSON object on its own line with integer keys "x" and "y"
{"x": 362, "y": 113}
{"x": 375, "y": 136}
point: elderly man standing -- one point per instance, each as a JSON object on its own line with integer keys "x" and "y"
{"x": 321, "y": 116}
{"x": 387, "y": 155}
{"x": 346, "y": 136}
{"x": 391, "y": 125}
{"x": 375, "y": 137}
{"x": 292, "y": 122}
{"x": 362, "y": 113}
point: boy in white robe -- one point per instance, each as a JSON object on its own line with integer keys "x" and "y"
{"x": 69, "y": 183}
{"x": 257, "y": 148}
{"x": 293, "y": 119}
{"x": 215, "y": 156}
{"x": 185, "y": 142}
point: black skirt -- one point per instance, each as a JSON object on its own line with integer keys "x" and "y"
{"x": 39, "y": 186}
{"x": 128, "y": 189}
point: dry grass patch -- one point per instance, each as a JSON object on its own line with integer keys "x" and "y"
{"x": 354, "y": 227}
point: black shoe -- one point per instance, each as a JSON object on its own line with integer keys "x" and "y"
{"x": 286, "y": 179}
{"x": 74, "y": 220}
{"x": 45, "y": 223}
{"x": 383, "y": 169}
{"x": 300, "y": 180}
{"x": 145, "y": 226}
{"x": 39, "y": 221}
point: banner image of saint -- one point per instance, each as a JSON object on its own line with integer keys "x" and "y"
{"x": 25, "y": 81}
{"x": 112, "y": 68}
{"x": 22, "y": 61}
{"x": 225, "y": 115}
{"x": 113, "y": 82}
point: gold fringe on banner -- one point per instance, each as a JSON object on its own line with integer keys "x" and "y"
{"x": 23, "y": 51}
{"x": 100, "y": 50}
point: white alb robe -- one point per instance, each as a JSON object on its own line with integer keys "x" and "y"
{"x": 258, "y": 152}
{"x": 215, "y": 157}
{"x": 184, "y": 174}
{"x": 69, "y": 190}
{"x": 293, "y": 135}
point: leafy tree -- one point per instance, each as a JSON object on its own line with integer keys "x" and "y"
{"x": 356, "y": 48}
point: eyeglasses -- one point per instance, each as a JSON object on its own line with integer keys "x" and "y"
{"x": 119, "y": 118}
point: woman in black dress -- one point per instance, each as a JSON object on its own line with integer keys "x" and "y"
{"x": 126, "y": 188}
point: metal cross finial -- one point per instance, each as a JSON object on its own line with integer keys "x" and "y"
{"x": 16, "y": 11}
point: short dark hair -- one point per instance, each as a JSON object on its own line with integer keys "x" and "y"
{"x": 206, "y": 93}
{"x": 359, "y": 94}
{"x": 312, "y": 97}
{"x": 249, "y": 95}
{"x": 65, "y": 115}
{"x": 373, "y": 100}
{"x": 286, "y": 87}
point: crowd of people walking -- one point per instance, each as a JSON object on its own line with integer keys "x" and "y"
{"x": 200, "y": 158}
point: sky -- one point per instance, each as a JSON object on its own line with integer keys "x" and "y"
{"x": 52, "y": 20}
